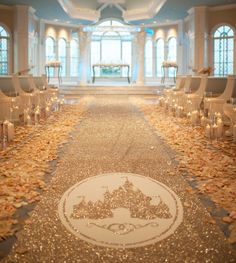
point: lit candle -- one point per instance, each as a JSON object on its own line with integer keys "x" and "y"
{"x": 36, "y": 117}
{"x": 208, "y": 131}
{"x": 219, "y": 127}
{"x": 203, "y": 121}
{"x": 214, "y": 131}
{"x": 10, "y": 131}
{"x": 28, "y": 122}
{"x": 194, "y": 116}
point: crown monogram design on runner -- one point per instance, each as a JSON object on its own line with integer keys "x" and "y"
{"x": 127, "y": 196}
{"x": 120, "y": 210}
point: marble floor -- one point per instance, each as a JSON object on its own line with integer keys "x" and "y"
{"x": 116, "y": 196}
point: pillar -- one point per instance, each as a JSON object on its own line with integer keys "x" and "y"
{"x": 21, "y": 47}
{"x": 141, "y": 37}
{"x": 84, "y": 64}
{"x": 199, "y": 37}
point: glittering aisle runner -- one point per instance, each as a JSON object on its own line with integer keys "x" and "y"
{"x": 117, "y": 196}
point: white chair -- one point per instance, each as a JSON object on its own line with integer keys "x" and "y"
{"x": 29, "y": 98}
{"x": 230, "y": 109}
{"x": 216, "y": 104}
{"x": 180, "y": 80}
{"x": 44, "y": 95}
{"x": 192, "y": 84}
{"x": 9, "y": 100}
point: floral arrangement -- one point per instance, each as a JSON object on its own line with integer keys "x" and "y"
{"x": 53, "y": 63}
{"x": 204, "y": 71}
{"x": 168, "y": 64}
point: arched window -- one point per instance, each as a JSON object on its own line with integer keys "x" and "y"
{"x": 160, "y": 56}
{"x": 148, "y": 58}
{"x": 74, "y": 58}
{"x": 111, "y": 43}
{"x": 62, "y": 55}
{"x": 4, "y": 51}
{"x": 172, "y": 54}
{"x": 50, "y": 52}
{"x": 223, "y": 51}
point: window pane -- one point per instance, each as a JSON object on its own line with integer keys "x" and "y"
{"x": 3, "y": 32}
{"x": 223, "y": 51}
{"x": 96, "y": 55}
{"x": 62, "y": 55}
{"x": 50, "y": 53}
{"x": 74, "y": 58}
{"x": 126, "y": 57}
{"x": 159, "y": 56}
{"x": 172, "y": 54}
{"x": 148, "y": 58}
{"x": 4, "y": 52}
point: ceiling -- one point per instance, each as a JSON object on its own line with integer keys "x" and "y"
{"x": 132, "y": 11}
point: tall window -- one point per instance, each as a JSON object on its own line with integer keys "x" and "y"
{"x": 172, "y": 54}
{"x": 74, "y": 58}
{"x": 111, "y": 45}
{"x": 126, "y": 56}
{"x": 96, "y": 55}
{"x": 160, "y": 56}
{"x": 223, "y": 51}
{"x": 62, "y": 55}
{"x": 4, "y": 51}
{"x": 148, "y": 58}
{"x": 50, "y": 52}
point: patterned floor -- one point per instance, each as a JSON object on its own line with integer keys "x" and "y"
{"x": 116, "y": 196}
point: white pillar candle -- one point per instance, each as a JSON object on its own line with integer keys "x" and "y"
{"x": 214, "y": 131}
{"x": 10, "y": 131}
{"x": 203, "y": 121}
{"x": 208, "y": 131}
{"x": 194, "y": 116}
{"x": 219, "y": 128}
{"x": 36, "y": 117}
{"x": 234, "y": 133}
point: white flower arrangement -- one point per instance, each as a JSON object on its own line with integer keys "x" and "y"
{"x": 168, "y": 64}
{"x": 53, "y": 63}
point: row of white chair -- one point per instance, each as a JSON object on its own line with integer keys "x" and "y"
{"x": 192, "y": 92}
{"x": 24, "y": 96}
{"x": 211, "y": 96}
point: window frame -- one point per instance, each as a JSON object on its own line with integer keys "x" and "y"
{"x": 156, "y": 46}
{"x": 213, "y": 38}
{"x": 8, "y": 50}
{"x": 76, "y": 58}
{"x": 63, "y": 63}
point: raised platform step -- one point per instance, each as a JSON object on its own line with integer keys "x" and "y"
{"x": 111, "y": 90}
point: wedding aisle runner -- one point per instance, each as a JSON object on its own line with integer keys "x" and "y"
{"x": 116, "y": 196}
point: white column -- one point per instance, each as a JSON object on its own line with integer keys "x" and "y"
{"x": 199, "y": 36}
{"x": 21, "y": 21}
{"x": 42, "y": 58}
{"x": 181, "y": 50}
{"x": 84, "y": 65}
{"x": 141, "y": 47}
{"x": 68, "y": 54}
{"x": 134, "y": 58}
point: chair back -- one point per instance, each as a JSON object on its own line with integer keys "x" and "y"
{"x": 230, "y": 89}
{"x": 26, "y": 83}
{"x": 191, "y": 83}
{"x": 7, "y": 86}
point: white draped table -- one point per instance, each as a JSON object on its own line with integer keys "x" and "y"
{"x": 108, "y": 65}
